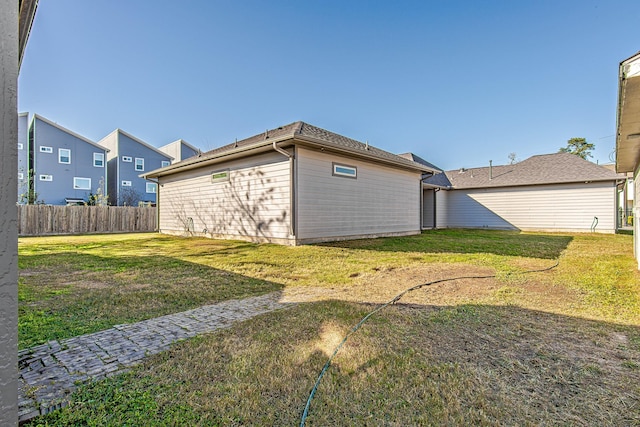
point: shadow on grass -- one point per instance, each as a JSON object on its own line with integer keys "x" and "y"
{"x": 412, "y": 365}
{"x": 68, "y": 294}
{"x": 497, "y": 242}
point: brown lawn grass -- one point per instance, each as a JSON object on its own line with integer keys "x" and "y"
{"x": 554, "y": 348}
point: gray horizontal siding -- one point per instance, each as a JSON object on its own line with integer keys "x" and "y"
{"x": 568, "y": 207}
{"x": 254, "y": 204}
{"x": 380, "y": 201}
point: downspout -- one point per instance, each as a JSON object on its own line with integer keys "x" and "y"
{"x": 291, "y": 185}
{"x": 157, "y": 182}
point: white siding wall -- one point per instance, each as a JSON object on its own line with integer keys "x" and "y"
{"x": 253, "y": 205}
{"x": 566, "y": 207}
{"x": 636, "y": 215}
{"x": 441, "y": 208}
{"x": 381, "y": 201}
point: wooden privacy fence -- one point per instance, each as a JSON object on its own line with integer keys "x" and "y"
{"x": 37, "y": 220}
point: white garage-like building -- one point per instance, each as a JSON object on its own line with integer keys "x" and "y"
{"x": 551, "y": 192}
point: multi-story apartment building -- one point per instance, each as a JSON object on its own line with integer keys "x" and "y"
{"x": 128, "y": 158}
{"x": 23, "y": 156}
{"x": 63, "y": 167}
{"x": 179, "y": 150}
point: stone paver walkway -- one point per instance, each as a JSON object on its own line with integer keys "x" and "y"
{"x": 50, "y": 372}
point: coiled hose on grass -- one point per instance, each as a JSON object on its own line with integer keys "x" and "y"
{"x": 394, "y": 300}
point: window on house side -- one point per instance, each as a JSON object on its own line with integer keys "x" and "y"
{"x": 127, "y": 159}
{"x": 220, "y": 176}
{"x": 64, "y": 156}
{"x": 152, "y": 187}
{"x": 44, "y": 149}
{"x": 165, "y": 163}
{"x": 98, "y": 160}
{"x": 126, "y": 183}
{"x": 46, "y": 177}
{"x": 139, "y": 164}
{"x": 81, "y": 183}
{"x": 344, "y": 170}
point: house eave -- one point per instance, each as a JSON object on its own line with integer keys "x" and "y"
{"x": 628, "y": 117}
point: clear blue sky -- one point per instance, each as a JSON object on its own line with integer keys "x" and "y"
{"x": 456, "y": 82}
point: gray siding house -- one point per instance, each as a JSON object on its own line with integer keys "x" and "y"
{"x": 628, "y": 134}
{"x": 66, "y": 167}
{"x": 292, "y": 185}
{"x": 552, "y": 192}
{"x": 128, "y": 158}
{"x": 23, "y": 156}
{"x": 180, "y": 150}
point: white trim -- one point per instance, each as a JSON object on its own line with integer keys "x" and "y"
{"x": 163, "y": 165}
{"x": 76, "y": 185}
{"x": 60, "y": 150}
{"x": 46, "y": 149}
{"x": 141, "y": 160}
{"x": 46, "y": 177}
{"x": 70, "y": 132}
{"x": 344, "y": 170}
{"x": 127, "y": 159}
{"x": 94, "y": 160}
{"x": 141, "y": 142}
{"x": 20, "y": 146}
{"x": 153, "y": 186}
{"x": 126, "y": 183}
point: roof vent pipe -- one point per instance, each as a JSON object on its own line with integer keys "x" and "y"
{"x": 366, "y": 145}
{"x": 236, "y": 144}
{"x": 490, "y": 170}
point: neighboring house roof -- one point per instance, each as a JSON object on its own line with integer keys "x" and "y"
{"x": 70, "y": 132}
{"x": 628, "y": 128}
{"x": 558, "y": 168}
{"x": 294, "y": 133}
{"x": 418, "y": 159}
{"x": 139, "y": 141}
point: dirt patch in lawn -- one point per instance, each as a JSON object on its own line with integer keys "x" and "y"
{"x": 382, "y": 285}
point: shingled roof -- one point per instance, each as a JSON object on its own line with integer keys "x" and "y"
{"x": 304, "y": 134}
{"x": 558, "y": 168}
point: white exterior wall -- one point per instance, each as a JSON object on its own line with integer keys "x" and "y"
{"x": 253, "y": 205}
{"x": 636, "y": 215}
{"x": 562, "y": 207}
{"x": 441, "y": 208}
{"x": 382, "y": 201}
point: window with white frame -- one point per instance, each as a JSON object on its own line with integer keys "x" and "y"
{"x": 81, "y": 183}
{"x": 345, "y": 171}
{"x": 165, "y": 163}
{"x": 139, "y": 164}
{"x": 220, "y": 176}
{"x": 20, "y": 176}
{"x": 20, "y": 146}
{"x": 152, "y": 187}
{"x": 98, "y": 160}
{"x": 127, "y": 159}
{"x": 64, "y": 156}
{"x": 126, "y": 183}
{"x": 46, "y": 177}
{"x": 45, "y": 149}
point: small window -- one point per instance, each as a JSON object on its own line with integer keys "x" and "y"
{"x": 20, "y": 176}
{"x": 220, "y": 176}
{"x": 46, "y": 177}
{"x": 127, "y": 159}
{"x": 152, "y": 187}
{"x": 44, "y": 149}
{"x": 139, "y": 164}
{"x": 165, "y": 163}
{"x": 64, "y": 155}
{"x": 126, "y": 183}
{"x": 98, "y": 160}
{"x": 81, "y": 183}
{"x": 346, "y": 171}
{"x": 20, "y": 146}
